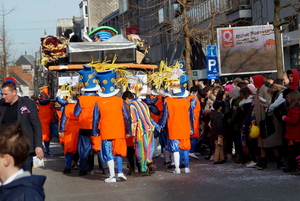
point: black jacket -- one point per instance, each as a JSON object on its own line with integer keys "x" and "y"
{"x": 216, "y": 121}
{"x": 29, "y": 119}
{"x": 27, "y": 188}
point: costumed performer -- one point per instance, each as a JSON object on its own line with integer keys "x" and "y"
{"x": 197, "y": 109}
{"x": 110, "y": 122}
{"x": 142, "y": 127}
{"x": 68, "y": 127}
{"x": 178, "y": 115}
{"x": 84, "y": 110}
{"x": 156, "y": 105}
{"x": 46, "y": 116}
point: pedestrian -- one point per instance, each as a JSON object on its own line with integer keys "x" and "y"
{"x": 23, "y": 110}
{"x": 293, "y": 76}
{"x": 262, "y": 99}
{"x": 229, "y": 134}
{"x": 292, "y": 124}
{"x": 15, "y": 183}
{"x": 217, "y": 132}
{"x": 235, "y": 124}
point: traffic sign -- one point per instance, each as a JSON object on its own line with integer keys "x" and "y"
{"x": 212, "y": 67}
{"x": 211, "y": 50}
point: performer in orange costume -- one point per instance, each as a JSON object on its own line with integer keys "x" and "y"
{"x": 46, "y": 116}
{"x": 178, "y": 116}
{"x": 68, "y": 130}
{"x": 197, "y": 109}
{"x": 84, "y": 110}
{"x": 109, "y": 120}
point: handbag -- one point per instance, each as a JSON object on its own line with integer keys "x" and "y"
{"x": 266, "y": 126}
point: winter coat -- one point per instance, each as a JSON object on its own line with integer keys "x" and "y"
{"x": 235, "y": 121}
{"x": 24, "y": 187}
{"x": 292, "y": 124}
{"x": 216, "y": 122}
{"x": 259, "y": 111}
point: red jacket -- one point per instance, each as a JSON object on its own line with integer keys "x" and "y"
{"x": 292, "y": 124}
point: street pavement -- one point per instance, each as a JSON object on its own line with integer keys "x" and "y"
{"x": 205, "y": 182}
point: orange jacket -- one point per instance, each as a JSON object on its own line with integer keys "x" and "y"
{"x": 46, "y": 113}
{"x": 197, "y": 111}
{"x": 178, "y": 119}
{"x": 87, "y": 104}
{"x": 111, "y": 123}
{"x": 70, "y": 138}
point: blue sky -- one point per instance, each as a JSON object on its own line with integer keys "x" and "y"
{"x": 25, "y": 25}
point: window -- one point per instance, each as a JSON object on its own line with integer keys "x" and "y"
{"x": 26, "y": 69}
{"x": 161, "y": 16}
{"x": 293, "y": 26}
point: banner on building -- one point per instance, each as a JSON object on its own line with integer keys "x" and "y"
{"x": 249, "y": 49}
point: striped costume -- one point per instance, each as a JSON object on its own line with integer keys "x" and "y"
{"x": 142, "y": 127}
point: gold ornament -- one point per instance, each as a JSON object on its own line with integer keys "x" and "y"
{"x": 113, "y": 80}
{"x": 90, "y": 76}
{"x": 102, "y": 88}
{"x": 112, "y": 88}
{"x": 104, "y": 81}
{"x": 86, "y": 84}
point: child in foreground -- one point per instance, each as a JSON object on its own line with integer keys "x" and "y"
{"x": 15, "y": 183}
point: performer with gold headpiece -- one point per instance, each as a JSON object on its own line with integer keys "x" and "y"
{"x": 69, "y": 126}
{"x": 178, "y": 116}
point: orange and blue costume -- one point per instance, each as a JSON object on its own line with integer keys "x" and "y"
{"x": 197, "y": 110}
{"x": 87, "y": 139}
{"x": 69, "y": 124}
{"x": 178, "y": 116}
{"x": 109, "y": 121}
{"x": 46, "y": 116}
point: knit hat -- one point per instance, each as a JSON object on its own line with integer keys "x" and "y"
{"x": 258, "y": 81}
{"x": 252, "y": 88}
{"x": 11, "y": 79}
{"x": 237, "y": 80}
{"x": 228, "y": 87}
{"x": 235, "y": 92}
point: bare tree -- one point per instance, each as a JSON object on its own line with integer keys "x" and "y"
{"x": 277, "y": 24}
{"x": 181, "y": 24}
{"x": 6, "y": 55}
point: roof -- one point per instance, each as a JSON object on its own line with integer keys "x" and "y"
{"x": 19, "y": 80}
{"x": 25, "y": 60}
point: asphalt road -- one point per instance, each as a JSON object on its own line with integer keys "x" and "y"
{"x": 205, "y": 182}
